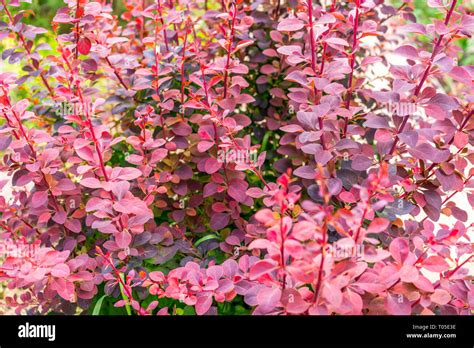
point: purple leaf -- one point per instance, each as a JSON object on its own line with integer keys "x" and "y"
{"x": 305, "y": 172}
{"x": 427, "y": 152}
{"x": 361, "y": 163}
{"x": 219, "y": 220}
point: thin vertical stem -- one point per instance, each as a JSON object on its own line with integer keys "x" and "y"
{"x": 25, "y": 136}
{"x": 325, "y": 45}
{"x": 230, "y": 43}
{"x": 352, "y": 63}
{"x": 78, "y": 15}
{"x": 282, "y": 250}
{"x": 116, "y": 73}
{"x": 430, "y": 168}
{"x": 160, "y": 13}
{"x": 425, "y": 74}
{"x": 326, "y": 198}
{"x": 313, "y": 64}
{"x": 28, "y": 51}
{"x": 183, "y": 80}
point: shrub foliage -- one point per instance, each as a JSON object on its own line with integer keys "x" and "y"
{"x": 236, "y": 157}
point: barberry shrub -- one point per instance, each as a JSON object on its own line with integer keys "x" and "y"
{"x": 236, "y": 157}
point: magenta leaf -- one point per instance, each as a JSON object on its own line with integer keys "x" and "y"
{"x": 261, "y": 268}
{"x": 123, "y": 239}
{"x": 397, "y": 305}
{"x": 399, "y": 249}
{"x": 39, "y": 198}
{"x": 290, "y": 24}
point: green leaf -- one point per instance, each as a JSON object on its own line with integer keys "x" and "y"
{"x": 266, "y": 137}
{"x": 98, "y": 305}
{"x": 207, "y": 237}
{"x": 124, "y": 297}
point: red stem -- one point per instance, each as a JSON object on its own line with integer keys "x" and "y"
{"x": 450, "y": 196}
{"x": 28, "y": 51}
{"x": 392, "y": 15}
{"x": 361, "y": 222}
{"x": 326, "y": 199}
{"x": 205, "y": 87}
{"x": 183, "y": 80}
{"x": 10, "y": 124}
{"x": 229, "y": 49}
{"x": 282, "y": 250}
{"x": 449, "y": 275}
{"x": 321, "y": 264}
{"x": 313, "y": 64}
{"x": 352, "y": 62}
{"x": 157, "y": 64}
{"x": 160, "y": 12}
{"x": 277, "y": 10}
{"x": 78, "y": 15}
{"x": 207, "y": 106}
{"x": 460, "y": 129}
{"x": 325, "y": 45}
{"x": 122, "y": 82}
{"x": 89, "y": 124}
{"x": 119, "y": 278}
{"x": 6, "y": 227}
{"x": 425, "y": 75}
{"x": 311, "y": 35}
{"x": 32, "y": 149}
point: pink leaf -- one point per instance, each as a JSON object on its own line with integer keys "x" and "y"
{"x": 290, "y": 24}
{"x": 39, "y": 199}
{"x": 336, "y": 41}
{"x": 73, "y": 225}
{"x": 332, "y": 293}
{"x": 399, "y": 249}
{"x": 255, "y": 192}
{"x": 123, "y": 239}
{"x": 303, "y": 230}
{"x": 91, "y": 183}
{"x": 120, "y": 188}
{"x": 268, "y": 298}
{"x": 84, "y": 45}
{"x": 203, "y": 146}
{"x": 293, "y": 302}
{"x": 60, "y": 271}
{"x": 407, "y": 51}
{"x": 203, "y": 303}
{"x": 259, "y": 244}
{"x": 408, "y": 274}
{"x": 441, "y": 297}
{"x": 65, "y": 289}
{"x": 212, "y": 165}
{"x": 436, "y": 263}
{"x": 261, "y": 268}
{"x": 237, "y": 190}
{"x": 378, "y": 225}
{"x": 397, "y": 305}
{"x": 289, "y": 50}
{"x": 129, "y": 173}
